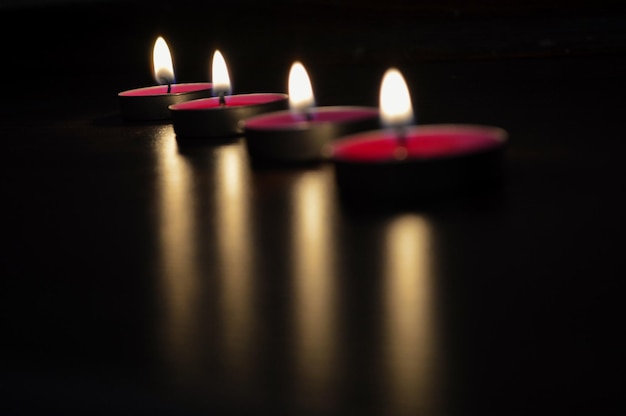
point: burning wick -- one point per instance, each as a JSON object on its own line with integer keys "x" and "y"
{"x": 401, "y": 135}
{"x": 401, "y": 151}
{"x": 167, "y": 81}
{"x": 222, "y": 98}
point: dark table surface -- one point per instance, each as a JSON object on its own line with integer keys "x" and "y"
{"x": 145, "y": 275}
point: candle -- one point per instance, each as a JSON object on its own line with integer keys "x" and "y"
{"x": 303, "y": 132}
{"x": 404, "y": 160}
{"x": 151, "y": 103}
{"x": 221, "y": 115}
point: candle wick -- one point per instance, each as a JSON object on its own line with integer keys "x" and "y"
{"x": 169, "y": 88}
{"x": 401, "y": 151}
{"x": 401, "y": 135}
{"x": 308, "y": 115}
{"x": 222, "y": 99}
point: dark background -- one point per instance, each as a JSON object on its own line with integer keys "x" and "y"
{"x": 142, "y": 274}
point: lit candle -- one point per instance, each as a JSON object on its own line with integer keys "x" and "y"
{"x": 402, "y": 159}
{"x": 151, "y": 103}
{"x": 220, "y": 116}
{"x": 303, "y": 133}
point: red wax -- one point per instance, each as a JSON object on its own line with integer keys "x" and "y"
{"x": 430, "y": 159}
{"x": 152, "y": 103}
{"x": 238, "y": 100}
{"x": 421, "y": 143}
{"x": 289, "y": 120}
{"x": 162, "y": 89}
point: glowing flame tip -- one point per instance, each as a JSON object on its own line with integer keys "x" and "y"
{"x": 219, "y": 75}
{"x": 301, "y": 96}
{"x": 162, "y": 62}
{"x": 395, "y": 101}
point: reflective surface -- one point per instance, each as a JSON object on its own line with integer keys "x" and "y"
{"x": 144, "y": 274}
{"x": 410, "y": 333}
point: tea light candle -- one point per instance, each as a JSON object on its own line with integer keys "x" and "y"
{"x": 303, "y": 132}
{"x": 220, "y": 116}
{"x": 151, "y": 103}
{"x": 402, "y": 160}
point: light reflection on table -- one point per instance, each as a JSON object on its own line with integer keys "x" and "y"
{"x": 180, "y": 277}
{"x": 234, "y": 262}
{"x": 409, "y": 322}
{"x": 314, "y": 286}
{"x": 211, "y": 280}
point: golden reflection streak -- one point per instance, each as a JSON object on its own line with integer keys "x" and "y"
{"x": 234, "y": 245}
{"x": 179, "y": 277}
{"x": 408, "y": 316}
{"x": 314, "y": 285}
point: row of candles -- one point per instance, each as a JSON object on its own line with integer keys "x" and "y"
{"x": 376, "y": 151}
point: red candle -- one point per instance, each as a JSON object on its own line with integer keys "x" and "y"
{"x": 403, "y": 160}
{"x": 304, "y": 132}
{"x": 151, "y": 103}
{"x": 221, "y": 116}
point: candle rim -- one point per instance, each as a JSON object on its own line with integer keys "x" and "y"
{"x": 182, "y": 106}
{"x": 304, "y": 123}
{"x": 132, "y": 92}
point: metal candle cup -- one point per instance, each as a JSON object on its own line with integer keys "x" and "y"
{"x": 431, "y": 158}
{"x": 285, "y": 137}
{"x": 152, "y": 103}
{"x": 206, "y": 118}
{"x": 402, "y": 161}
{"x": 222, "y": 115}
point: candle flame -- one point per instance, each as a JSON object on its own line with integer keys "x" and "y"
{"x": 219, "y": 75}
{"x": 300, "y": 91}
{"x": 395, "y": 101}
{"x": 162, "y": 62}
